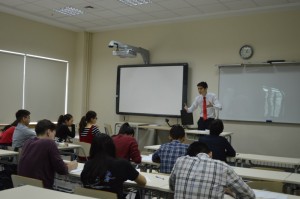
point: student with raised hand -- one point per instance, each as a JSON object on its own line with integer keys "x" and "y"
{"x": 62, "y": 131}
{"x": 196, "y": 175}
{"x": 87, "y": 127}
{"x": 104, "y": 171}
{"x": 167, "y": 154}
{"x": 220, "y": 147}
{"x": 40, "y": 157}
{"x": 7, "y": 134}
{"x": 208, "y": 104}
{"x": 126, "y": 145}
{"x": 22, "y": 132}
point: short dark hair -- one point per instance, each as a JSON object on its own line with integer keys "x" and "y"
{"x": 203, "y": 84}
{"x": 177, "y": 132}
{"x": 21, "y": 113}
{"x": 216, "y": 127}
{"x": 43, "y": 125}
{"x": 197, "y": 147}
{"x": 126, "y": 129}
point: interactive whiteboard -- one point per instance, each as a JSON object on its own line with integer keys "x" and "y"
{"x": 154, "y": 90}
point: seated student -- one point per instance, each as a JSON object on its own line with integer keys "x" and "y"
{"x": 87, "y": 127}
{"x": 62, "y": 131}
{"x": 40, "y": 157}
{"x": 196, "y": 175}
{"x": 22, "y": 132}
{"x": 167, "y": 154}
{"x": 104, "y": 171}
{"x": 219, "y": 145}
{"x": 126, "y": 145}
{"x": 7, "y": 134}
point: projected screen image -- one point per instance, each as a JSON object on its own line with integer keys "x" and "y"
{"x": 154, "y": 90}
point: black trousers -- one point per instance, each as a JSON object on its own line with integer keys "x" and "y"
{"x": 204, "y": 124}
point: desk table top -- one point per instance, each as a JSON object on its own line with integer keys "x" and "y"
{"x": 294, "y": 178}
{"x": 259, "y": 174}
{"x": 5, "y": 153}
{"x": 33, "y": 192}
{"x": 267, "y": 158}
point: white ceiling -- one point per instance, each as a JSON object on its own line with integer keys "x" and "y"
{"x": 111, "y": 14}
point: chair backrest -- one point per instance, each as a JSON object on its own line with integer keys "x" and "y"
{"x": 108, "y": 129}
{"x": 22, "y": 180}
{"x": 84, "y": 150}
{"x": 95, "y": 193}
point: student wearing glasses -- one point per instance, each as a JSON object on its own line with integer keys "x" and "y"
{"x": 87, "y": 127}
{"x": 22, "y": 132}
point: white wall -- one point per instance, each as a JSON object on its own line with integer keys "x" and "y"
{"x": 203, "y": 44}
{"x": 21, "y": 35}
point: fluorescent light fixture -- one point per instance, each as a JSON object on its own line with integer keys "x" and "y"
{"x": 69, "y": 11}
{"x": 135, "y": 2}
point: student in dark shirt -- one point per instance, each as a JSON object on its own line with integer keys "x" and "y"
{"x": 219, "y": 145}
{"x": 62, "y": 130}
{"x": 103, "y": 171}
{"x": 40, "y": 158}
{"x": 126, "y": 145}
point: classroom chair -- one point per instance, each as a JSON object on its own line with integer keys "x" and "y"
{"x": 95, "y": 193}
{"x": 22, "y": 180}
{"x": 108, "y": 129}
{"x": 83, "y": 151}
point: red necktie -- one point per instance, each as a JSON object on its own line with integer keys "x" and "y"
{"x": 204, "y": 109}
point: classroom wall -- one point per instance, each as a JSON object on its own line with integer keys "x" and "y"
{"x": 25, "y": 36}
{"x": 203, "y": 44}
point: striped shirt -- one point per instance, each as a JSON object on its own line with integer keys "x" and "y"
{"x": 88, "y": 133}
{"x": 203, "y": 177}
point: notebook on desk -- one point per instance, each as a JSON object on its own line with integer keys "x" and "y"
{"x": 186, "y": 118}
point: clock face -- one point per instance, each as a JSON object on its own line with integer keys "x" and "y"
{"x": 246, "y": 51}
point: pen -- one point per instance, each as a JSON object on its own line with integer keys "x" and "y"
{"x": 159, "y": 177}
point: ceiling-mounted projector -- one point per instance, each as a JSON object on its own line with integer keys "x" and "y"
{"x": 124, "y": 53}
{"x": 125, "y": 50}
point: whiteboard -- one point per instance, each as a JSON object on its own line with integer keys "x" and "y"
{"x": 260, "y": 92}
{"x": 154, "y": 90}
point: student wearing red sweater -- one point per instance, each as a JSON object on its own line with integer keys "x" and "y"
{"x": 126, "y": 144}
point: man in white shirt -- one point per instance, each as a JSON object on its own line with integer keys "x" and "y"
{"x": 208, "y": 104}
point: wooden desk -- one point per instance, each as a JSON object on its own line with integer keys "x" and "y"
{"x": 160, "y": 182}
{"x": 31, "y": 192}
{"x": 294, "y": 178}
{"x": 152, "y": 147}
{"x": 295, "y": 162}
{"x": 259, "y": 174}
{"x": 156, "y": 181}
{"x": 187, "y": 131}
{"x": 7, "y": 153}
{"x": 69, "y": 146}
